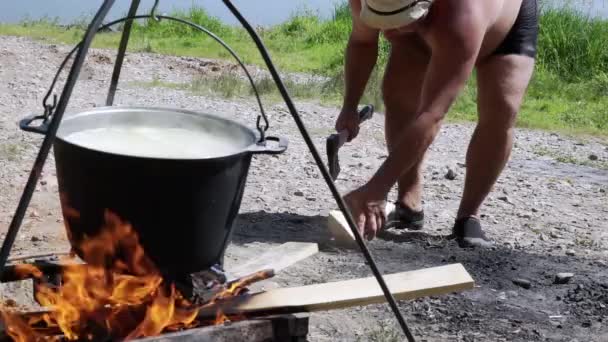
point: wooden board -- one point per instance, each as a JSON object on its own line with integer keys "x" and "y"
{"x": 276, "y": 259}
{"x": 358, "y": 292}
{"x": 280, "y": 329}
{"x": 341, "y": 232}
{"x": 284, "y": 328}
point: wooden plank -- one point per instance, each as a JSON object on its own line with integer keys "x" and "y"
{"x": 341, "y": 232}
{"x": 22, "y": 257}
{"x": 278, "y": 328}
{"x": 276, "y": 259}
{"x": 257, "y": 331}
{"x": 358, "y": 292}
{"x": 285, "y": 328}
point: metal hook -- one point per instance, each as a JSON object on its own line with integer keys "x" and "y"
{"x": 153, "y": 11}
{"x": 262, "y": 129}
{"x": 48, "y": 109}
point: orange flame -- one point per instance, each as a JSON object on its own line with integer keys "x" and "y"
{"x": 15, "y": 328}
{"x": 111, "y": 298}
{"x": 127, "y": 299}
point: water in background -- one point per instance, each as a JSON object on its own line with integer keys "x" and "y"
{"x": 258, "y": 12}
{"x": 593, "y": 8}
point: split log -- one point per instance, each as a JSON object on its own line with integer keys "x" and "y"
{"x": 276, "y": 259}
{"x": 340, "y": 230}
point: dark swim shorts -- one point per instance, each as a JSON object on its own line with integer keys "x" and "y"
{"x": 523, "y": 37}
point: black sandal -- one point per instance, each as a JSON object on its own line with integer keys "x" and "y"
{"x": 468, "y": 233}
{"x": 405, "y": 218}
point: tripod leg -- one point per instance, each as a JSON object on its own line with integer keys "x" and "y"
{"x": 122, "y": 49}
{"x": 45, "y": 148}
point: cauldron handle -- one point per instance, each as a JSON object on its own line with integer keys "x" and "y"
{"x": 26, "y": 124}
{"x": 262, "y": 123}
{"x": 264, "y": 148}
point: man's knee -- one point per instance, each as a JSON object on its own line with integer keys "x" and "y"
{"x": 404, "y": 75}
{"x": 499, "y": 112}
{"x": 500, "y": 121}
{"x": 399, "y": 95}
{"x": 399, "y": 98}
{"x": 502, "y": 84}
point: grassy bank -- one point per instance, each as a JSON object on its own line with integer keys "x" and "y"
{"x": 569, "y": 91}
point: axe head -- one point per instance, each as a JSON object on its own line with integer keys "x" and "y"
{"x": 332, "y": 145}
{"x": 335, "y": 141}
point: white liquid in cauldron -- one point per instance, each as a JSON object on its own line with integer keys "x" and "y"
{"x": 155, "y": 142}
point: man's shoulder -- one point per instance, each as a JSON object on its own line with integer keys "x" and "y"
{"x": 460, "y": 12}
{"x": 459, "y": 26}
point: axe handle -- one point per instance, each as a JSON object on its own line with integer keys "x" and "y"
{"x": 365, "y": 114}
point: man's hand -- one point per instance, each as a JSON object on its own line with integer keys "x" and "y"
{"x": 368, "y": 211}
{"x": 348, "y": 120}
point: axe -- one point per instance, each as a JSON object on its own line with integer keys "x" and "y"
{"x": 336, "y": 140}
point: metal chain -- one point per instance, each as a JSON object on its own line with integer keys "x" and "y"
{"x": 50, "y": 108}
{"x": 153, "y": 11}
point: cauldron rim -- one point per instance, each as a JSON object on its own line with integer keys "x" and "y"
{"x": 246, "y": 132}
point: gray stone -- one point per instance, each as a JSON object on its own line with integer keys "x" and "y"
{"x": 570, "y": 252}
{"x": 450, "y": 175}
{"x": 504, "y": 199}
{"x": 524, "y": 283}
{"x": 563, "y": 278}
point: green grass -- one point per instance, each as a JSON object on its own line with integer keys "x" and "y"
{"x": 572, "y": 45}
{"x": 229, "y": 85}
{"x": 572, "y": 159}
{"x": 569, "y": 91}
{"x": 10, "y": 151}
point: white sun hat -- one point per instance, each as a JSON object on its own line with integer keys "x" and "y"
{"x": 391, "y": 14}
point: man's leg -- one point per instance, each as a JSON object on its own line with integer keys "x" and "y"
{"x": 401, "y": 89}
{"x": 502, "y": 83}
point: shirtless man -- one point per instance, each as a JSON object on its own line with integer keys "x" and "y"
{"x": 435, "y": 46}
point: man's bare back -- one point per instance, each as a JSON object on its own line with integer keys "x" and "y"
{"x": 495, "y": 19}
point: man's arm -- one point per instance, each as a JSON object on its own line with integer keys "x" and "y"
{"x": 361, "y": 57}
{"x": 455, "y": 48}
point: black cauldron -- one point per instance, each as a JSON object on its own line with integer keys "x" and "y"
{"x": 181, "y": 193}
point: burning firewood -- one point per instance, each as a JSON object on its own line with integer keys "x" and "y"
{"x": 127, "y": 299}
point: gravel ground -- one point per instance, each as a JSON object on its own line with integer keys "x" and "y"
{"x": 547, "y": 212}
